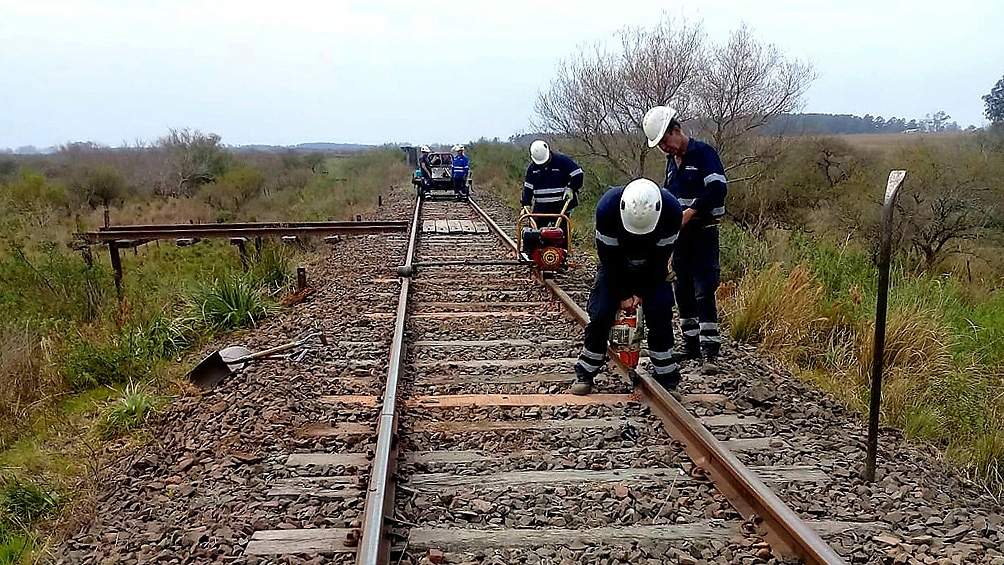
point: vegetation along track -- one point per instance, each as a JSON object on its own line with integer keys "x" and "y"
{"x": 276, "y": 463}
{"x": 480, "y": 454}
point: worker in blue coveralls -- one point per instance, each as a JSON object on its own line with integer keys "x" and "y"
{"x": 636, "y": 228}
{"x": 461, "y": 168}
{"x": 551, "y": 179}
{"x": 694, "y": 174}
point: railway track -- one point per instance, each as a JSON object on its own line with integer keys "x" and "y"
{"x": 478, "y": 454}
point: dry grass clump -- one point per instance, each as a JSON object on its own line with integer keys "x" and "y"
{"x": 25, "y": 379}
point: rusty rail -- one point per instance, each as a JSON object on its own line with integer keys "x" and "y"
{"x": 374, "y": 547}
{"x": 787, "y": 534}
{"x": 119, "y": 233}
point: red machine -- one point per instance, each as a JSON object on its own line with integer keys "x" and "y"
{"x": 548, "y": 247}
{"x": 626, "y": 335}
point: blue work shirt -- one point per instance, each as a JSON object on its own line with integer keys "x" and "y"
{"x": 461, "y": 166}
{"x": 545, "y": 184}
{"x": 633, "y": 263}
{"x": 699, "y": 183}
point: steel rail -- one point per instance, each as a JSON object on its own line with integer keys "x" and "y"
{"x": 787, "y": 534}
{"x": 374, "y": 547}
{"x": 275, "y": 224}
{"x": 222, "y": 230}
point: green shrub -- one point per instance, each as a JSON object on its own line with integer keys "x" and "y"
{"x": 89, "y": 365}
{"x": 23, "y": 503}
{"x": 742, "y": 253}
{"x": 131, "y": 412}
{"x": 46, "y": 283}
{"x": 13, "y": 547}
{"x": 231, "y": 302}
{"x": 270, "y": 268}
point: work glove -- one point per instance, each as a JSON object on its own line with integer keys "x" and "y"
{"x": 569, "y": 194}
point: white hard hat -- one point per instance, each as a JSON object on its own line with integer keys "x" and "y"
{"x": 454, "y": 148}
{"x": 655, "y": 123}
{"x": 460, "y": 148}
{"x": 425, "y": 149}
{"x": 641, "y": 206}
{"x": 539, "y": 152}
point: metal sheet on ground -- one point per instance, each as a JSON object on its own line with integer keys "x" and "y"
{"x": 442, "y": 226}
{"x": 455, "y": 226}
{"x": 429, "y": 226}
{"x": 467, "y": 226}
{"x": 481, "y": 227}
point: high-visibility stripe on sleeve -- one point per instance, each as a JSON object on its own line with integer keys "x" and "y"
{"x": 528, "y": 185}
{"x": 719, "y": 211}
{"x": 575, "y": 172}
{"x": 667, "y": 241}
{"x": 607, "y": 240}
{"x": 714, "y": 177}
{"x": 687, "y": 201}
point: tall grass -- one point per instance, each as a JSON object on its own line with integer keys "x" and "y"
{"x": 26, "y": 378}
{"x": 943, "y": 364}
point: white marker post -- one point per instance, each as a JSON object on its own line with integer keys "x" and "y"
{"x": 885, "y": 250}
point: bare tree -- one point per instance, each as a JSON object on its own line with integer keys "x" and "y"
{"x": 599, "y": 98}
{"x": 744, "y": 85}
{"x": 198, "y": 158}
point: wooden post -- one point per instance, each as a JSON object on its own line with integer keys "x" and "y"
{"x": 107, "y": 217}
{"x": 379, "y": 199}
{"x": 113, "y": 252}
{"x": 301, "y": 279}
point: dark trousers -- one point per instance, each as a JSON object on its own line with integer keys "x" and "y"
{"x": 657, "y": 304}
{"x": 695, "y": 261}
{"x": 460, "y": 186}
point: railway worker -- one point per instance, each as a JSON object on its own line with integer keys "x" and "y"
{"x": 425, "y": 166}
{"x": 694, "y": 174}
{"x": 551, "y": 179}
{"x": 461, "y": 169}
{"x": 636, "y": 227}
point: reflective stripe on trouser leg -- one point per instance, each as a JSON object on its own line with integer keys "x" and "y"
{"x": 602, "y": 308}
{"x": 589, "y": 363}
{"x": 658, "y": 305}
{"x": 691, "y": 330}
{"x": 662, "y": 362}
{"x": 711, "y": 341}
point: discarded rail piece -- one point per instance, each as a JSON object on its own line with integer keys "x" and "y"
{"x": 117, "y": 237}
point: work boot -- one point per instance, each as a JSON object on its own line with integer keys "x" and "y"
{"x": 710, "y": 366}
{"x": 582, "y": 386}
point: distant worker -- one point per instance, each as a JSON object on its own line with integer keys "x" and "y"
{"x": 694, "y": 174}
{"x": 461, "y": 170}
{"x": 636, "y": 227}
{"x": 551, "y": 179}
{"x": 425, "y": 166}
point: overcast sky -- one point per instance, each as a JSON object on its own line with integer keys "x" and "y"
{"x": 292, "y": 71}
